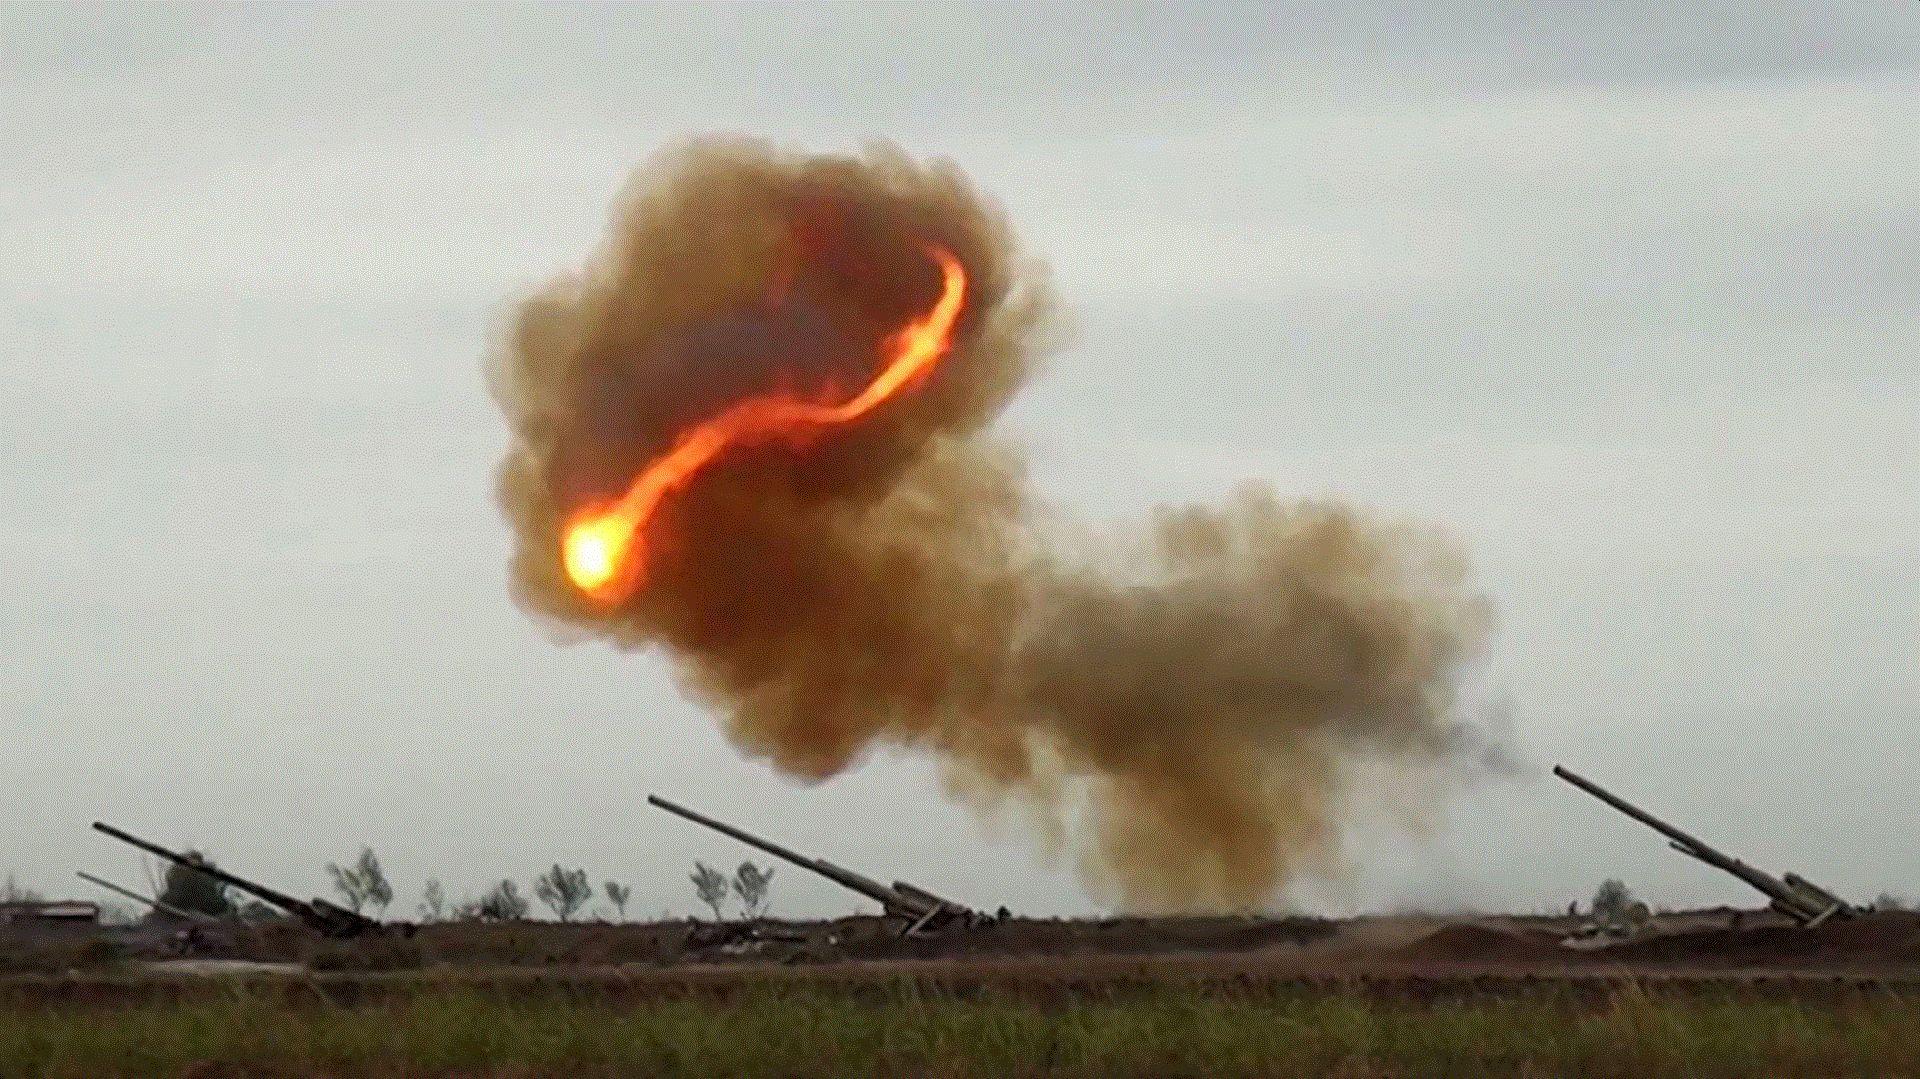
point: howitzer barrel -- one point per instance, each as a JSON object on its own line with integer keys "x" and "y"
{"x": 1631, "y": 810}
{"x": 258, "y": 891}
{"x": 167, "y": 909}
{"x": 1785, "y": 900}
{"x": 914, "y": 891}
{"x": 892, "y": 900}
{"x": 332, "y": 920}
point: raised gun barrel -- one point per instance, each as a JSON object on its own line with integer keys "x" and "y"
{"x": 329, "y": 919}
{"x": 1792, "y": 902}
{"x": 1631, "y": 810}
{"x": 904, "y": 901}
{"x": 167, "y": 909}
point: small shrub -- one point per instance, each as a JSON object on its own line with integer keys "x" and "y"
{"x": 564, "y": 891}
{"x": 618, "y": 894}
{"x": 363, "y": 884}
{"x": 1613, "y": 903}
{"x": 503, "y": 903}
{"x": 711, "y": 886}
{"x": 752, "y": 883}
{"x": 187, "y": 888}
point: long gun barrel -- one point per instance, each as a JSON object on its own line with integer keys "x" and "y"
{"x": 167, "y": 909}
{"x": 1796, "y": 904}
{"x": 328, "y": 918}
{"x": 1631, "y": 810}
{"x": 908, "y": 902}
{"x": 1793, "y": 904}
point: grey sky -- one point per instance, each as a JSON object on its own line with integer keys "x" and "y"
{"x": 1623, "y": 295}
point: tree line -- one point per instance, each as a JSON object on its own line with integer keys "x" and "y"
{"x": 362, "y": 886}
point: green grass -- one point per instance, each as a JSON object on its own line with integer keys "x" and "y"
{"x": 912, "y": 1030}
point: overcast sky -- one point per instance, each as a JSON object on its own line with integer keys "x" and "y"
{"x": 1627, "y": 296}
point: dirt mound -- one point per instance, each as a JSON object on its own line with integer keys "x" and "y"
{"x": 1890, "y": 931}
{"x": 1467, "y": 942}
{"x": 1110, "y": 936}
{"x": 1883, "y": 937}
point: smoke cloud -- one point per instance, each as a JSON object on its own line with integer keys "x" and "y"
{"x": 1188, "y": 704}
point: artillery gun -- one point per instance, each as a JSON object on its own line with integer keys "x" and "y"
{"x": 1793, "y": 895}
{"x": 920, "y": 909}
{"x": 328, "y": 919}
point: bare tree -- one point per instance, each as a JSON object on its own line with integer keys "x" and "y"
{"x": 503, "y": 903}
{"x": 12, "y": 891}
{"x": 563, "y": 890}
{"x": 751, "y": 883}
{"x": 433, "y": 901}
{"x": 363, "y": 884}
{"x": 711, "y": 886}
{"x": 379, "y": 890}
{"x": 618, "y": 894}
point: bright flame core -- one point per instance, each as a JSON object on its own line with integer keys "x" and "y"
{"x": 593, "y": 551}
{"x": 602, "y": 548}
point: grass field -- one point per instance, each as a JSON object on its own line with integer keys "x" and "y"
{"x": 910, "y": 1028}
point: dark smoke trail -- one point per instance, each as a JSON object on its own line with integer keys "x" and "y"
{"x": 1205, "y": 688}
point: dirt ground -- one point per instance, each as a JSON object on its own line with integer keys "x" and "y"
{"x": 1414, "y": 955}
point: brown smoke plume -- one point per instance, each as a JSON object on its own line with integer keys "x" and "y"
{"x": 1192, "y": 700}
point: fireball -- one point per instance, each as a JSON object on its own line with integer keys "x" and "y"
{"x": 602, "y": 548}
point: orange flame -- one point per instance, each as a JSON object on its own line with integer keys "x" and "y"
{"x": 603, "y": 550}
